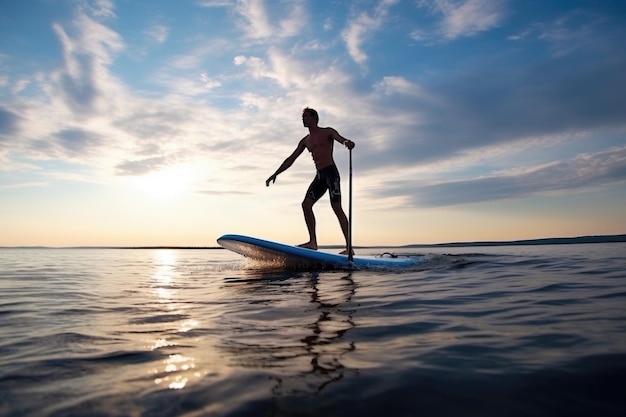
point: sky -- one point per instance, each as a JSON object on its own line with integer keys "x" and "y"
{"x": 132, "y": 123}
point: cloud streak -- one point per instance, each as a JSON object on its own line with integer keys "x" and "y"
{"x": 84, "y": 77}
{"x": 143, "y": 166}
{"x": 258, "y": 25}
{"x": 577, "y": 174}
{"x": 470, "y": 17}
{"x": 362, "y": 27}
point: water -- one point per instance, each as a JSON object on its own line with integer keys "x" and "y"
{"x": 493, "y": 331}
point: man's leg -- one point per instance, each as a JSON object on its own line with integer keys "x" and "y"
{"x": 343, "y": 222}
{"x": 309, "y": 218}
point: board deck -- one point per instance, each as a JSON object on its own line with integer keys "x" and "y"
{"x": 294, "y": 257}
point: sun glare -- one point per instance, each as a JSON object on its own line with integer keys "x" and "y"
{"x": 165, "y": 184}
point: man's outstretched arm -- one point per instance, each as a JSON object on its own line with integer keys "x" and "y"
{"x": 286, "y": 163}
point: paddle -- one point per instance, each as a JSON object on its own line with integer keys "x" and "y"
{"x": 350, "y": 254}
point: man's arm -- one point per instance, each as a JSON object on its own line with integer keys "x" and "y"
{"x": 287, "y": 162}
{"x": 345, "y": 142}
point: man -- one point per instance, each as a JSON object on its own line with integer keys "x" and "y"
{"x": 319, "y": 142}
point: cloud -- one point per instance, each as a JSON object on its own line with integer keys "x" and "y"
{"x": 68, "y": 144}
{"x": 255, "y": 65}
{"x": 19, "y": 86}
{"x": 580, "y": 173}
{"x": 23, "y": 185}
{"x": 8, "y": 123}
{"x": 84, "y": 77}
{"x": 502, "y": 104}
{"x": 208, "y": 82}
{"x": 215, "y": 3}
{"x": 295, "y": 20}
{"x": 102, "y": 8}
{"x": 81, "y": 113}
{"x": 141, "y": 166}
{"x": 157, "y": 33}
{"x": 193, "y": 71}
{"x": 78, "y": 142}
{"x": 462, "y": 18}
{"x": 257, "y": 22}
{"x": 391, "y": 85}
{"x": 291, "y": 74}
{"x": 360, "y": 28}
{"x": 568, "y": 33}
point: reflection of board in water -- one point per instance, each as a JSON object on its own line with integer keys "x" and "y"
{"x": 294, "y": 257}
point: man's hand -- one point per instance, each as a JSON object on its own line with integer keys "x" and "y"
{"x": 271, "y": 179}
{"x": 348, "y": 144}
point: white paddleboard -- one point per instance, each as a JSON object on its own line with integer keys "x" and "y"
{"x": 294, "y": 257}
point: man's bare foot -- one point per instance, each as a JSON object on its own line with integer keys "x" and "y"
{"x": 345, "y": 252}
{"x": 309, "y": 245}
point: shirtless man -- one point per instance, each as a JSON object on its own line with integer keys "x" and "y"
{"x": 319, "y": 142}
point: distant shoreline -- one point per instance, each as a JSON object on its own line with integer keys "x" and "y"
{"x": 543, "y": 241}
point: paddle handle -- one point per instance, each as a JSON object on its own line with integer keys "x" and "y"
{"x": 350, "y": 254}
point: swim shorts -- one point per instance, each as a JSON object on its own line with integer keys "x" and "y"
{"x": 325, "y": 179}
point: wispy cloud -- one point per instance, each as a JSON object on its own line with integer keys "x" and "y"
{"x": 101, "y": 8}
{"x": 566, "y": 34}
{"x": 362, "y": 27}
{"x": 505, "y": 104}
{"x": 215, "y": 3}
{"x": 577, "y": 174}
{"x": 157, "y": 33}
{"x": 392, "y": 85}
{"x": 258, "y": 24}
{"x": 84, "y": 77}
{"x": 8, "y": 123}
{"x": 78, "y": 142}
{"x": 461, "y": 18}
{"x": 142, "y": 166}
{"x": 23, "y": 185}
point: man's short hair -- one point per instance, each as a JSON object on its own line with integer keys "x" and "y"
{"x": 312, "y": 112}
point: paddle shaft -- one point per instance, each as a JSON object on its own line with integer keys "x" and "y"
{"x": 350, "y": 254}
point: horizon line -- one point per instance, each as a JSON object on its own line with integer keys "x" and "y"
{"x": 540, "y": 241}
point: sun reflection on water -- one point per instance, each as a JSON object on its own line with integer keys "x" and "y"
{"x": 178, "y": 369}
{"x": 165, "y": 260}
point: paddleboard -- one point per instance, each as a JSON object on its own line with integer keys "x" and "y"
{"x": 294, "y": 257}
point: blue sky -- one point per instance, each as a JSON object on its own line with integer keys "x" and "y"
{"x": 157, "y": 123}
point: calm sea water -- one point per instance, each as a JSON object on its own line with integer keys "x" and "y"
{"x": 492, "y": 331}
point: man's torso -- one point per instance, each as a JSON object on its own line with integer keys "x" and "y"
{"x": 320, "y": 144}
